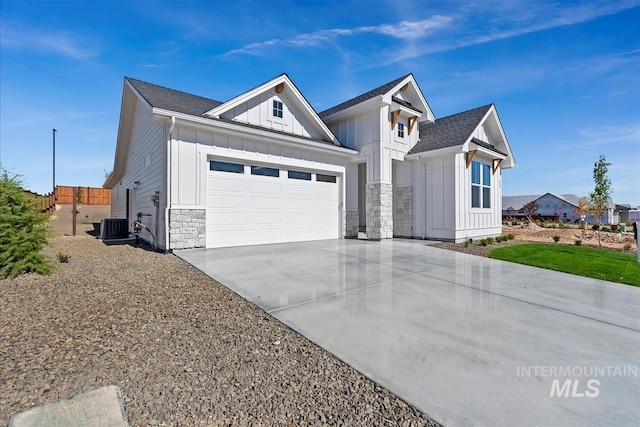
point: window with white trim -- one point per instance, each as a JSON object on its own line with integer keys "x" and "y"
{"x": 480, "y": 185}
{"x": 277, "y": 109}
{"x": 400, "y": 130}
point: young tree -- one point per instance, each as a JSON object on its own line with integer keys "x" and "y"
{"x": 530, "y": 210}
{"x": 23, "y": 230}
{"x": 600, "y": 197}
{"x": 582, "y": 210}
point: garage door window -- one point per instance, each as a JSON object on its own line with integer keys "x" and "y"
{"x": 261, "y": 170}
{"x": 325, "y": 178}
{"x": 226, "y": 167}
{"x": 306, "y": 176}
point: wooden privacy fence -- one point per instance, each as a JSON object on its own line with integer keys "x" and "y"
{"x": 64, "y": 195}
{"x": 83, "y": 195}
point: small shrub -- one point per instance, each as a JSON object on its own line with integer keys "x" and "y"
{"x": 23, "y": 230}
{"x": 63, "y": 258}
{"x": 466, "y": 244}
{"x": 606, "y": 229}
{"x": 511, "y": 236}
{"x": 578, "y": 242}
{"x": 595, "y": 227}
{"x": 483, "y": 242}
{"x": 563, "y": 226}
{"x": 489, "y": 240}
{"x": 556, "y": 238}
{"x": 555, "y": 226}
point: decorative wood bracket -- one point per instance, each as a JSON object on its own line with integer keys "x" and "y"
{"x": 403, "y": 88}
{"x": 496, "y": 163}
{"x": 279, "y": 87}
{"x": 411, "y": 122}
{"x": 395, "y": 115}
{"x": 469, "y": 156}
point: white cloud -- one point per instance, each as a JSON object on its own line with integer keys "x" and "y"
{"x": 61, "y": 43}
{"x": 405, "y": 30}
{"x": 624, "y": 134}
{"x": 468, "y": 26}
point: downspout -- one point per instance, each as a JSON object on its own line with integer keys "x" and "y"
{"x": 167, "y": 207}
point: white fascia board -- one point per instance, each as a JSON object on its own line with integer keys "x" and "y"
{"x": 425, "y": 107}
{"x": 369, "y": 104}
{"x": 233, "y": 128}
{"x": 511, "y": 163}
{"x": 488, "y": 152}
{"x": 284, "y": 79}
{"x": 434, "y": 153}
{"x": 108, "y": 181}
{"x": 124, "y": 132}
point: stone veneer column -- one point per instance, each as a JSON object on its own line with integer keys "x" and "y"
{"x": 352, "y": 224}
{"x": 379, "y": 199}
{"x": 187, "y": 228}
{"x": 403, "y": 211}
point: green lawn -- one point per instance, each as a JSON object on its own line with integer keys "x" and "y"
{"x": 599, "y": 264}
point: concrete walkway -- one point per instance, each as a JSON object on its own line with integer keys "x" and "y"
{"x": 467, "y": 340}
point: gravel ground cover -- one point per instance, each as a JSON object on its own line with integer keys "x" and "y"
{"x": 184, "y": 349}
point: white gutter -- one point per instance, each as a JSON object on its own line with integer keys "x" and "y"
{"x": 166, "y": 209}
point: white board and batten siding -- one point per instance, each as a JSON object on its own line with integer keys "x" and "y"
{"x": 247, "y": 209}
{"x": 145, "y": 164}
{"x": 258, "y": 111}
{"x": 476, "y": 222}
{"x": 439, "y": 189}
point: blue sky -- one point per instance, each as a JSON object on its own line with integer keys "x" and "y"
{"x": 565, "y": 75}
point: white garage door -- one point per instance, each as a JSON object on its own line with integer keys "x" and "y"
{"x": 249, "y": 204}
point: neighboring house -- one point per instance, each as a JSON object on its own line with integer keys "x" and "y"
{"x": 264, "y": 167}
{"x": 554, "y": 206}
{"x": 623, "y": 213}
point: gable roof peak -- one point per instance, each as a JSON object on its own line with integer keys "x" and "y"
{"x": 449, "y": 131}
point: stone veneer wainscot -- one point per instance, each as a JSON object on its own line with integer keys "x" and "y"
{"x": 187, "y": 228}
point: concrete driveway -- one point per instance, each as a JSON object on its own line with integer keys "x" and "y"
{"x": 465, "y": 339}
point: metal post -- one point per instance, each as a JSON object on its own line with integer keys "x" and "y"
{"x": 54, "y": 159}
{"x": 74, "y": 211}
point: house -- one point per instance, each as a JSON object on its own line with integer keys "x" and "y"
{"x": 556, "y": 207}
{"x": 623, "y": 212}
{"x": 264, "y": 167}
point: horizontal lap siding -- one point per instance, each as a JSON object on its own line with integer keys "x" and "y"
{"x": 146, "y": 140}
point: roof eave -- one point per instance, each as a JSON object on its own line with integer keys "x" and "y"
{"x": 436, "y": 152}
{"x": 376, "y": 101}
{"x": 229, "y": 126}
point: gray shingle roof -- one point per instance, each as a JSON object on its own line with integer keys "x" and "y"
{"x": 449, "y": 131}
{"x": 517, "y": 202}
{"x": 365, "y": 96}
{"x": 182, "y": 102}
{"x": 173, "y": 100}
